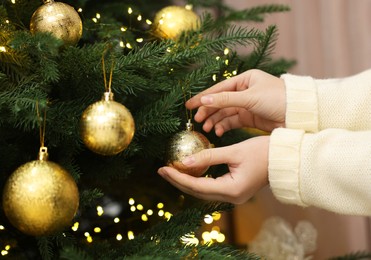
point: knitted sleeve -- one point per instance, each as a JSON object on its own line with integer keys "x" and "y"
{"x": 314, "y": 105}
{"x": 330, "y": 169}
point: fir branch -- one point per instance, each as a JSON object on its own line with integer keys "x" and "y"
{"x": 264, "y": 47}
{"x": 354, "y": 256}
{"x": 73, "y": 253}
{"x": 255, "y": 14}
{"x": 45, "y": 245}
{"x": 88, "y": 197}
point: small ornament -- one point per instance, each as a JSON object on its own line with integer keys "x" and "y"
{"x": 59, "y": 19}
{"x": 107, "y": 127}
{"x": 171, "y": 21}
{"x": 186, "y": 143}
{"x": 40, "y": 197}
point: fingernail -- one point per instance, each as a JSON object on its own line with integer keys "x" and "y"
{"x": 207, "y": 100}
{"x": 188, "y": 160}
{"x": 161, "y": 171}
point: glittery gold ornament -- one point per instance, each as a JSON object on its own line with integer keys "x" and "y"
{"x": 58, "y": 18}
{"x": 183, "y": 144}
{"x": 107, "y": 127}
{"x": 171, "y": 21}
{"x": 40, "y": 197}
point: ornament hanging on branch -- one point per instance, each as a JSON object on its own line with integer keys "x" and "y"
{"x": 107, "y": 127}
{"x": 59, "y": 19}
{"x": 40, "y": 197}
{"x": 170, "y": 22}
{"x": 186, "y": 143}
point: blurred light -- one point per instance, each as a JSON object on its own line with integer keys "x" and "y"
{"x": 89, "y": 239}
{"x": 87, "y": 234}
{"x": 168, "y": 215}
{"x": 128, "y": 45}
{"x": 216, "y": 228}
{"x": 130, "y": 235}
{"x": 214, "y": 234}
{"x": 226, "y": 62}
{"x": 139, "y": 40}
{"x": 95, "y": 20}
{"x": 160, "y": 205}
{"x": 13, "y": 1}
{"x": 97, "y": 229}
{"x": 7, "y": 21}
{"x": 139, "y": 18}
{"x": 208, "y": 219}
{"x": 150, "y": 212}
{"x": 4, "y": 252}
{"x": 148, "y": 22}
{"x": 2, "y": 227}
{"x": 7, "y": 247}
{"x": 234, "y": 72}
{"x": 189, "y": 7}
{"x": 214, "y": 77}
{"x": 140, "y": 207}
{"x": 206, "y": 236}
{"x": 119, "y": 237}
{"x": 124, "y": 29}
{"x": 133, "y": 208}
{"x": 79, "y": 10}
{"x": 220, "y": 238}
{"x": 116, "y": 220}
{"x": 75, "y": 226}
{"x": 2, "y": 49}
{"x": 130, "y": 10}
{"x": 217, "y": 216}
{"x": 189, "y": 240}
{"x": 100, "y": 211}
{"x": 217, "y": 57}
{"x": 226, "y": 51}
{"x": 97, "y": 15}
{"x": 122, "y": 45}
{"x": 161, "y": 213}
{"x": 144, "y": 217}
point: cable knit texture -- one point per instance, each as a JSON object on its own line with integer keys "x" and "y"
{"x": 329, "y": 167}
{"x": 315, "y": 105}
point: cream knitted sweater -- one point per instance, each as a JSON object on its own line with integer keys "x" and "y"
{"x": 323, "y": 157}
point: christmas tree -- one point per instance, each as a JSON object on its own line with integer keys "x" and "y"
{"x": 53, "y": 77}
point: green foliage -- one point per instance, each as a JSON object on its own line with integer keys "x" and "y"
{"x": 152, "y": 79}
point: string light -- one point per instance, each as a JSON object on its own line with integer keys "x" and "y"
{"x": 119, "y": 237}
{"x": 97, "y": 229}
{"x": 144, "y": 217}
{"x": 160, "y": 205}
{"x": 139, "y": 18}
{"x": 161, "y": 213}
{"x": 13, "y": 1}
{"x": 226, "y": 51}
{"x": 130, "y": 235}
{"x": 2, "y": 49}
{"x": 130, "y": 10}
{"x": 79, "y": 10}
{"x": 100, "y": 211}
{"x": 140, "y": 207}
{"x": 139, "y": 40}
{"x": 116, "y": 220}
{"x": 150, "y": 212}
{"x": 2, "y": 227}
{"x": 208, "y": 219}
{"x": 149, "y": 22}
{"x": 75, "y": 226}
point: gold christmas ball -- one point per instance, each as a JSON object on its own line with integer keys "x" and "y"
{"x": 171, "y": 21}
{"x": 107, "y": 127}
{"x": 183, "y": 144}
{"x": 60, "y": 19}
{"x": 40, "y": 198}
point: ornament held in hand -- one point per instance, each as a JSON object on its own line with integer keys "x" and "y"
{"x": 107, "y": 127}
{"x": 59, "y": 19}
{"x": 171, "y": 21}
{"x": 40, "y": 197}
{"x": 183, "y": 144}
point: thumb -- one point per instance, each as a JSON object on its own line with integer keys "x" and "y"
{"x": 227, "y": 99}
{"x": 208, "y": 157}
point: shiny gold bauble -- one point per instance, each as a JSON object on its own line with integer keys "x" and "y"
{"x": 107, "y": 127}
{"x": 171, "y": 21}
{"x": 183, "y": 144}
{"x": 59, "y": 19}
{"x": 40, "y": 198}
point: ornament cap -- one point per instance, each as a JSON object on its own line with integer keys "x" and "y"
{"x": 48, "y": 1}
{"x": 189, "y": 125}
{"x": 108, "y": 96}
{"x": 43, "y": 154}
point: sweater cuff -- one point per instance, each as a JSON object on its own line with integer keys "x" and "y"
{"x": 284, "y": 164}
{"x": 301, "y": 103}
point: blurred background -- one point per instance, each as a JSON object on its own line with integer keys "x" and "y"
{"x": 327, "y": 38}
